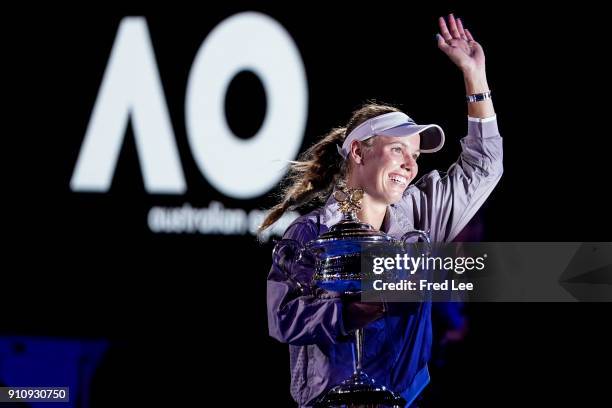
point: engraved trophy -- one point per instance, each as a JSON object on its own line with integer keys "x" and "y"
{"x": 338, "y": 268}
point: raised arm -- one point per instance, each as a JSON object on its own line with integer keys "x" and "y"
{"x": 444, "y": 203}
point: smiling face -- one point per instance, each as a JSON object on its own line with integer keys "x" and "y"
{"x": 385, "y": 169}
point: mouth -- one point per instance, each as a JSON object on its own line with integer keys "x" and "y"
{"x": 398, "y": 179}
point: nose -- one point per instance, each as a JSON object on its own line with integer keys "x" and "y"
{"x": 409, "y": 162}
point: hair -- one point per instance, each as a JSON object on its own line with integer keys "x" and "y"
{"x": 319, "y": 169}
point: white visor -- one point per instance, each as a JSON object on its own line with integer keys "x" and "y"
{"x": 395, "y": 124}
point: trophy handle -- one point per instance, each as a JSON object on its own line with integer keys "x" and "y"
{"x": 286, "y": 252}
{"x": 422, "y": 235}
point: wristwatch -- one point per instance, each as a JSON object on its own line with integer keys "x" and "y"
{"x": 478, "y": 97}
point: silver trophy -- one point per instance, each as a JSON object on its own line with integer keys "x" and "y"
{"x": 338, "y": 268}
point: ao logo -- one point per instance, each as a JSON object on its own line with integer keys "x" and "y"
{"x": 131, "y": 90}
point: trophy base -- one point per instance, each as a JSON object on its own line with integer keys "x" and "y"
{"x": 360, "y": 390}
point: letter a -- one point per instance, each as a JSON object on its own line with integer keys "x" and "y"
{"x": 131, "y": 89}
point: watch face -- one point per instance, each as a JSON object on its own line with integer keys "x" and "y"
{"x": 479, "y": 97}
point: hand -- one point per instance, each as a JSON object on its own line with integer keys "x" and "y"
{"x": 357, "y": 315}
{"x": 460, "y": 46}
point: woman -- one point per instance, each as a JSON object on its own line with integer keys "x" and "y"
{"x": 378, "y": 151}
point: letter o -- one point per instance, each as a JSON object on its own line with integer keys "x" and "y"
{"x": 246, "y": 168}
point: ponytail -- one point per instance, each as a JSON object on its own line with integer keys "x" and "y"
{"x": 312, "y": 178}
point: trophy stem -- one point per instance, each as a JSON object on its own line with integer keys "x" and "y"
{"x": 359, "y": 350}
{"x": 360, "y": 390}
{"x": 350, "y": 216}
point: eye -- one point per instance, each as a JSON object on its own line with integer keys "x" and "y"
{"x": 396, "y": 149}
{"x": 415, "y": 156}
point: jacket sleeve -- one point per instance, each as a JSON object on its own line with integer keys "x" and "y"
{"x": 294, "y": 316}
{"x": 445, "y": 203}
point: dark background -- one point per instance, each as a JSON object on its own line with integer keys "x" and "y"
{"x": 188, "y": 311}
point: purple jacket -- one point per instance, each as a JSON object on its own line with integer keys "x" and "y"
{"x": 397, "y": 346}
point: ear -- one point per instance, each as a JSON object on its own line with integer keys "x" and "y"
{"x": 356, "y": 152}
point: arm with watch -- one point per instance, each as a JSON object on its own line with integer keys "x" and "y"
{"x": 444, "y": 202}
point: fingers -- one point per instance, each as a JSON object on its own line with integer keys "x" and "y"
{"x": 444, "y": 29}
{"x": 454, "y": 29}
{"x": 473, "y": 43}
{"x": 461, "y": 30}
{"x": 453, "y": 26}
